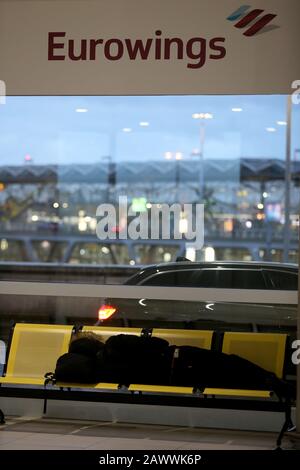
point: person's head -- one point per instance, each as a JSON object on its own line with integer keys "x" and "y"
{"x": 86, "y": 343}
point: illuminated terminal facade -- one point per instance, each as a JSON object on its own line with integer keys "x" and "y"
{"x": 48, "y": 212}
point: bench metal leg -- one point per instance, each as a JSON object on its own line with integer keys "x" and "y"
{"x": 2, "y": 419}
{"x": 45, "y": 406}
{"x": 287, "y": 425}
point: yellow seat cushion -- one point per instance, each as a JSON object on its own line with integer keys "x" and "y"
{"x": 238, "y": 393}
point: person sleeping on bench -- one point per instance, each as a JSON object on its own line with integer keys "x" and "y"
{"x": 129, "y": 359}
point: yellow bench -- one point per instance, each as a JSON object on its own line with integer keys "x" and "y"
{"x": 34, "y": 350}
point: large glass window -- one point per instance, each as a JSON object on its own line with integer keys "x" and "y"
{"x": 62, "y": 157}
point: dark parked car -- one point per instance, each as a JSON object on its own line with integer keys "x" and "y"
{"x": 219, "y": 274}
{"x": 221, "y": 316}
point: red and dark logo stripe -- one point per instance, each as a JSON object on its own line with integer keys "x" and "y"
{"x": 255, "y": 18}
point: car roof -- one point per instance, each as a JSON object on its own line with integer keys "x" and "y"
{"x": 183, "y": 265}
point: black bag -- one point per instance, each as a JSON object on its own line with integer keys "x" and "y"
{"x": 76, "y": 368}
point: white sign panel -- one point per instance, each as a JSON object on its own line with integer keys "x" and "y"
{"x": 92, "y": 47}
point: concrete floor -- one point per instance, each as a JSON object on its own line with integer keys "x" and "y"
{"x": 58, "y": 434}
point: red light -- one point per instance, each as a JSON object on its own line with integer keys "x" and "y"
{"x": 106, "y": 311}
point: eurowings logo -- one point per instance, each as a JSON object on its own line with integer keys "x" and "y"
{"x": 252, "y": 18}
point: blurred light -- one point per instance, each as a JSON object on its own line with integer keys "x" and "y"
{"x": 82, "y": 251}
{"x": 141, "y": 302}
{"x": 3, "y": 244}
{"x": 132, "y": 262}
{"x": 168, "y": 155}
{"x": 209, "y": 306}
{"x": 88, "y": 218}
{"x": 28, "y": 158}
{"x": 248, "y": 224}
{"x": 274, "y": 212}
{"x": 139, "y": 204}
{"x": 167, "y": 257}
{"x": 282, "y": 123}
{"x": 265, "y": 194}
{"x": 106, "y": 311}
{"x": 190, "y": 253}
{"x": 81, "y": 213}
{"x": 260, "y": 206}
{"x": 93, "y": 224}
{"x": 237, "y": 110}
{"x": 196, "y": 152}
{"x": 122, "y": 223}
{"x": 144, "y": 124}
{"x": 260, "y": 216}
{"x": 55, "y": 205}
{"x": 202, "y": 116}
{"x": 209, "y": 254}
{"x": 228, "y": 225}
{"x": 82, "y": 226}
{"x": 81, "y": 110}
{"x": 65, "y": 205}
{"x": 126, "y": 129}
{"x": 105, "y": 250}
{"x": 270, "y": 129}
{"x": 183, "y": 223}
{"x": 178, "y": 156}
{"x": 35, "y": 218}
{"x": 45, "y": 244}
{"x": 148, "y": 205}
{"x": 2, "y": 187}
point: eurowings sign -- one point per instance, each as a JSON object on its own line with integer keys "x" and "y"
{"x": 148, "y": 47}
{"x": 193, "y": 52}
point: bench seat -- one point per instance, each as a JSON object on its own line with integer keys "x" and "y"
{"x": 22, "y": 380}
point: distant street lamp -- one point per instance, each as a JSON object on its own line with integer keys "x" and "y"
{"x": 296, "y": 154}
{"x": 202, "y": 117}
{"x": 111, "y": 175}
{"x": 28, "y": 159}
{"x": 176, "y": 156}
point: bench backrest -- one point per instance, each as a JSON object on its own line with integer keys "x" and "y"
{"x": 201, "y": 339}
{"x": 34, "y": 349}
{"x": 106, "y": 331}
{"x": 198, "y": 338}
{"x": 267, "y": 350}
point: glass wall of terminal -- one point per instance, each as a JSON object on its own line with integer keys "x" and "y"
{"x": 63, "y": 157}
